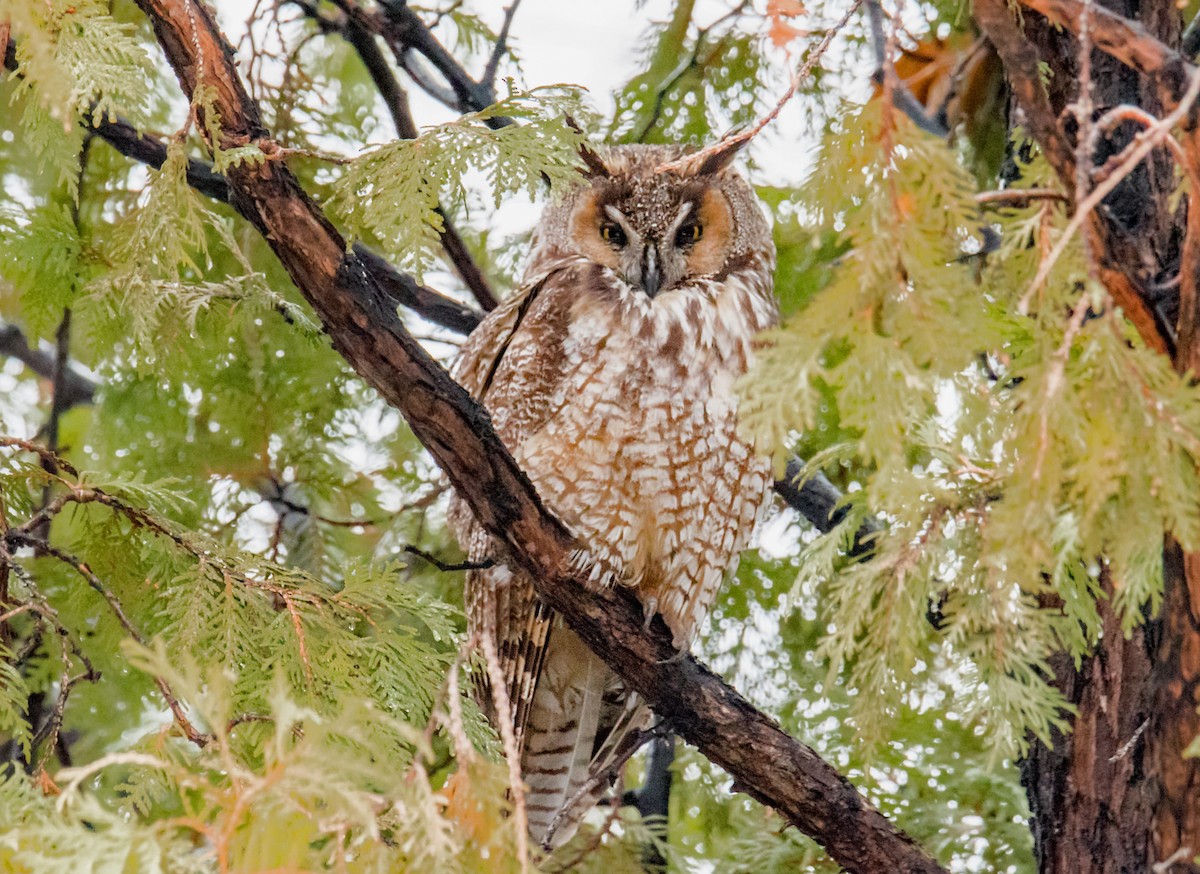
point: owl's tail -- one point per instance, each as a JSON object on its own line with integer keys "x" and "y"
{"x": 579, "y": 711}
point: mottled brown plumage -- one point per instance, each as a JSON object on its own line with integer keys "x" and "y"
{"x": 610, "y": 377}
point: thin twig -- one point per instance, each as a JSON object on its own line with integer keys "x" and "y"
{"x": 504, "y": 717}
{"x": 625, "y": 751}
{"x": 47, "y": 455}
{"x": 1183, "y": 854}
{"x": 802, "y": 73}
{"x": 15, "y": 611}
{"x": 594, "y": 842}
{"x": 489, "y": 71}
{"x": 463, "y": 751}
{"x": 1142, "y": 145}
{"x": 447, "y": 567}
{"x": 190, "y": 731}
{"x": 62, "y": 354}
{"x": 1128, "y": 745}
{"x": 1083, "y": 117}
{"x": 1054, "y": 377}
{"x": 404, "y": 31}
{"x": 1019, "y": 196}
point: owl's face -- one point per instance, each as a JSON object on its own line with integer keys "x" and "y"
{"x": 658, "y": 230}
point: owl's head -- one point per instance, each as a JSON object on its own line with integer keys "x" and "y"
{"x": 659, "y": 218}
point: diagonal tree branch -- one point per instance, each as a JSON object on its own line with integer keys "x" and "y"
{"x": 764, "y": 761}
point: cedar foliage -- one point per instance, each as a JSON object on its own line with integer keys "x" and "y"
{"x": 244, "y": 501}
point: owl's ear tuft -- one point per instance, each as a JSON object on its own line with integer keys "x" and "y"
{"x": 714, "y": 159}
{"x": 593, "y": 165}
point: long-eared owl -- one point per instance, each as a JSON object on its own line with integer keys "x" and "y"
{"x": 610, "y": 377}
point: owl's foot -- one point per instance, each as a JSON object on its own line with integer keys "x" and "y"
{"x": 680, "y": 639}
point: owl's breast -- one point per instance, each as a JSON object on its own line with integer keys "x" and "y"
{"x": 642, "y": 458}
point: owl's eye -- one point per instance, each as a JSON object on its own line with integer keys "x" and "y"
{"x": 612, "y": 234}
{"x": 688, "y": 235}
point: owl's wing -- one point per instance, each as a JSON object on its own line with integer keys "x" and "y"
{"x": 570, "y": 712}
{"x": 512, "y": 363}
{"x": 478, "y": 360}
{"x": 486, "y": 348}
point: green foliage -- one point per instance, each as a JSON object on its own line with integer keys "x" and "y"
{"x": 74, "y": 62}
{"x": 156, "y": 256}
{"x": 1013, "y": 488}
{"x": 204, "y": 101}
{"x": 390, "y": 194}
{"x": 245, "y": 499}
{"x": 41, "y": 254}
{"x": 14, "y": 698}
{"x": 697, "y": 81}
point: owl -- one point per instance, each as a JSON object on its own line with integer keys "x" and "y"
{"x": 610, "y": 377}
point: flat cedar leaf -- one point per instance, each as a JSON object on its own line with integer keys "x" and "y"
{"x": 14, "y": 701}
{"x": 41, "y": 254}
{"x": 390, "y": 194}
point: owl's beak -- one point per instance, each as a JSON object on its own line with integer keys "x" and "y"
{"x": 651, "y": 275}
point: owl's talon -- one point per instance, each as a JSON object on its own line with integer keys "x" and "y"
{"x": 649, "y": 611}
{"x": 679, "y": 656}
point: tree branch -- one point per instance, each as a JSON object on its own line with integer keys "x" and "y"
{"x": 489, "y": 72}
{"x": 364, "y": 328}
{"x": 1021, "y": 66}
{"x": 396, "y": 100}
{"x": 405, "y": 32}
{"x": 76, "y": 388}
{"x": 817, "y": 500}
{"x": 902, "y": 97}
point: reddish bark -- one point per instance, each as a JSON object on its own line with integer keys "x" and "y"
{"x": 1117, "y": 794}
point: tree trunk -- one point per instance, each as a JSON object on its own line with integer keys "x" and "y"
{"x": 1117, "y": 794}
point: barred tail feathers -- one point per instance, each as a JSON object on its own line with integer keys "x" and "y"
{"x": 560, "y": 735}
